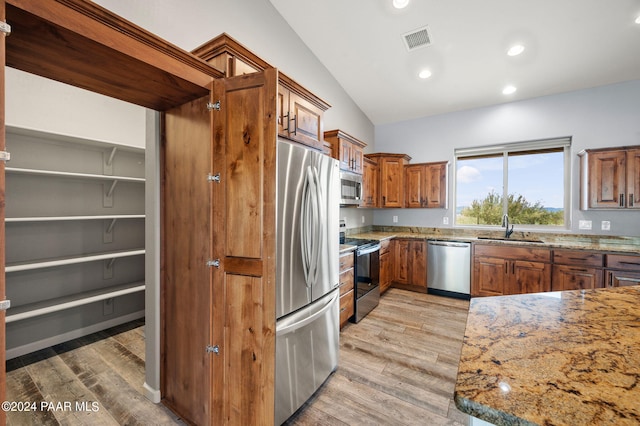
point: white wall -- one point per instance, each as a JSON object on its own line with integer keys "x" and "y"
{"x": 41, "y": 104}
{"x": 594, "y": 118}
{"x": 258, "y": 26}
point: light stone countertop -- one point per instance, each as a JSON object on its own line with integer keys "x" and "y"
{"x": 628, "y": 245}
{"x": 558, "y": 358}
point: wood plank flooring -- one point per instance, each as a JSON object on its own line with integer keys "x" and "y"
{"x": 397, "y": 367}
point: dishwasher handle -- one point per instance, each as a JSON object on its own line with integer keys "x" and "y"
{"x": 449, "y": 244}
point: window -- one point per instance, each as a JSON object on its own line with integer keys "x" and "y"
{"x": 529, "y": 181}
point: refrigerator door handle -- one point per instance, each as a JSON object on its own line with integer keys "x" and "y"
{"x": 311, "y": 226}
{"x": 308, "y": 319}
{"x": 319, "y": 225}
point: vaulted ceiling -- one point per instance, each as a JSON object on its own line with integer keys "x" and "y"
{"x": 568, "y": 45}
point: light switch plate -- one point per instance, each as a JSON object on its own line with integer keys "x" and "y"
{"x": 584, "y": 224}
{"x": 606, "y": 225}
{"x": 445, "y": 220}
{"x": 395, "y": 219}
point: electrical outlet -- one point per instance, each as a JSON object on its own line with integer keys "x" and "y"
{"x": 395, "y": 219}
{"x": 445, "y": 220}
{"x": 107, "y": 306}
{"x": 584, "y": 224}
{"x": 363, "y": 219}
{"x": 606, "y": 225}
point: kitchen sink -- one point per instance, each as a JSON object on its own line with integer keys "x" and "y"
{"x": 515, "y": 240}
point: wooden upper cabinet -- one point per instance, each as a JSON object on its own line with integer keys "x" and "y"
{"x": 347, "y": 149}
{"x": 370, "y": 181}
{"x": 299, "y": 112}
{"x": 610, "y": 178}
{"x": 391, "y": 180}
{"x": 426, "y": 185}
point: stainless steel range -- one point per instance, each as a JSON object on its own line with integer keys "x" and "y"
{"x": 367, "y": 273}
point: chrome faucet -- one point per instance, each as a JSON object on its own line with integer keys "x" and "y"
{"x": 505, "y": 223}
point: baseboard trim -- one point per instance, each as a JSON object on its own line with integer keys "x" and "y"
{"x": 73, "y": 334}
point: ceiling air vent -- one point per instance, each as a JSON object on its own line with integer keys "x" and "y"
{"x": 416, "y": 38}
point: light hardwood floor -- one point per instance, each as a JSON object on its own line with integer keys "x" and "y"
{"x": 397, "y": 367}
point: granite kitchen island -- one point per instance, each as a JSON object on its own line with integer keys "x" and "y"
{"x": 559, "y": 358}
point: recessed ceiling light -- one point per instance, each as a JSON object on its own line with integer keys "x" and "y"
{"x": 424, "y": 74}
{"x": 400, "y": 4}
{"x": 515, "y": 50}
{"x": 508, "y": 90}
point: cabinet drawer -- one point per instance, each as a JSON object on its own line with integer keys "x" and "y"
{"x": 577, "y": 257}
{"x": 567, "y": 277}
{"x": 346, "y": 281}
{"x": 346, "y": 307}
{"x": 625, "y": 262}
{"x": 346, "y": 261}
{"x": 508, "y": 251}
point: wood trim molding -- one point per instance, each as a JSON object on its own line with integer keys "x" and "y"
{"x": 225, "y": 44}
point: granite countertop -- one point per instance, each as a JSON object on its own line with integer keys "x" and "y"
{"x": 559, "y": 358}
{"x": 627, "y": 245}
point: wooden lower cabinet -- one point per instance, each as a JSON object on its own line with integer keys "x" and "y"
{"x": 504, "y": 270}
{"x": 567, "y": 277}
{"x": 576, "y": 270}
{"x": 410, "y": 264}
{"x": 386, "y": 267}
{"x": 347, "y": 295}
{"x": 622, "y": 270}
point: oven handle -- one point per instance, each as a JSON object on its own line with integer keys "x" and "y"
{"x": 368, "y": 250}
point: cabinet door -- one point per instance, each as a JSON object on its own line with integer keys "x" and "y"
{"x": 357, "y": 157}
{"x": 633, "y": 178}
{"x": 392, "y": 182}
{"x": 243, "y": 238}
{"x": 370, "y": 176}
{"x": 410, "y": 264}
{"x": 490, "y": 274}
{"x": 415, "y": 185}
{"x": 436, "y": 186}
{"x": 305, "y": 121}
{"x": 345, "y": 155}
{"x": 529, "y": 277}
{"x": 282, "y": 111}
{"x": 385, "y": 271}
{"x": 567, "y": 277}
{"x": 607, "y": 178}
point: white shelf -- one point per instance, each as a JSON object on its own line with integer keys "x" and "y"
{"x": 62, "y": 303}
{"x": 70, "y": 260}
{"x": 72, "y": 218}
{"x": 53, "y": 173}
{"x": 66, "y": 139}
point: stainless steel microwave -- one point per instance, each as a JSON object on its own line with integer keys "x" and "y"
{"x": 350, "y": 189}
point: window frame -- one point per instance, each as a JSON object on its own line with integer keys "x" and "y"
{"x": 538, "y": 146}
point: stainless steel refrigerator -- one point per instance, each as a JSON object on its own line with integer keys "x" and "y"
{"x": 307, "y": 295}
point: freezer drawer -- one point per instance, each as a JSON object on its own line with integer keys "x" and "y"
{"x": 306, "y": 353}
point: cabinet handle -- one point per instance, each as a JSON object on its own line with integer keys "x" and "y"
{"x": 295, "y": 124}
{"x": 342, "y": 310}
{"x": 621, "y": 200}
{"x": 384, "y": 200}
{"x": 286, "y": 129}
{"x": 513, "y": 268}
{"x": 610, "y": 283}
{"x": 630, "y": 200}
{"x": 506, "y": 268}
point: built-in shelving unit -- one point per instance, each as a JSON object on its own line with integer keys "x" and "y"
{"x": 74, "y": 237}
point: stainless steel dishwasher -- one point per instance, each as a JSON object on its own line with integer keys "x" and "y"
{"x": 449, "y": 268}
